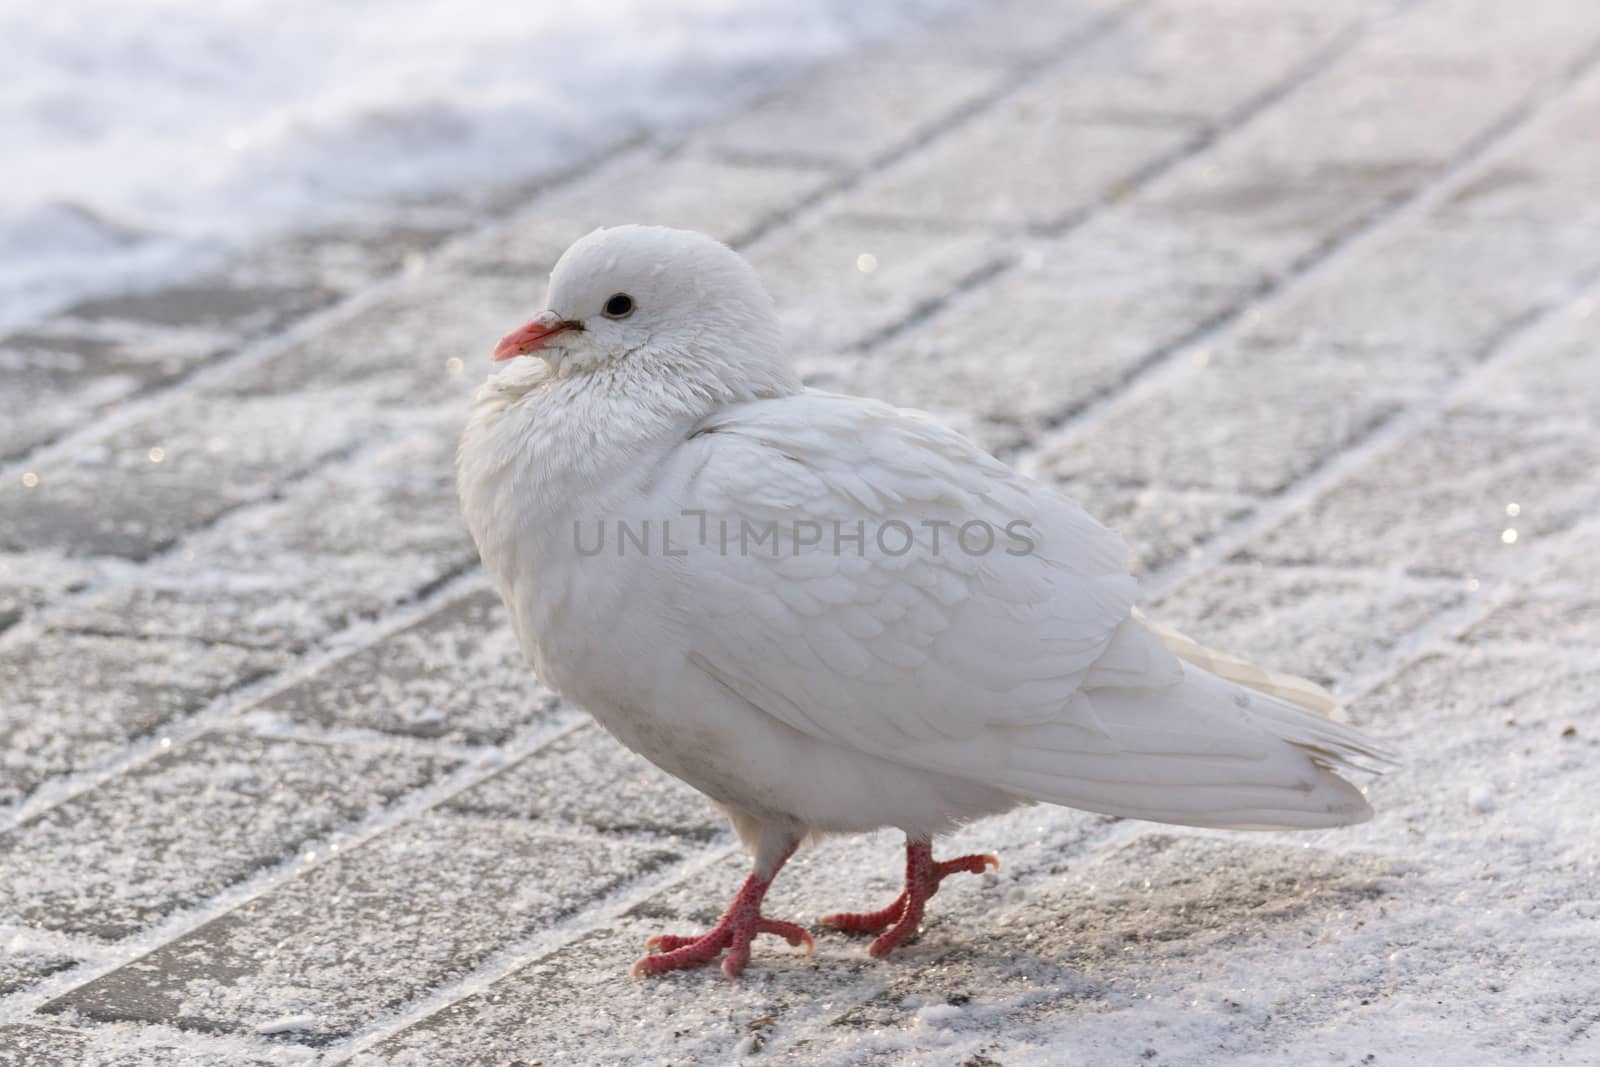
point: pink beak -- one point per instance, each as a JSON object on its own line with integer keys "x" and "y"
{"x": 531, "y": 337}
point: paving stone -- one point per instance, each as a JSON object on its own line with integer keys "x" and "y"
{"x": 1552, "y": 371}
{"x": 44, "y": 1046}
{"x": 1319, "y": 626}
{"x": 1487, "y": 41}
{"x": 1006, "y": 31}
{"x": 587, "y": 778}
{"x": 850, "y": 113}
{"x": 131, "y": 343}
{"x": 839, "y": 282}
{"x": 1354, "y": 106}
{"x": 1505, "y": 698}
{"x": 180, "y": 829}
{"x": 456, "y": 675}
{"x": 1244, "y": 418}
{"x": 409, "y": 481}
{"x": 1074, "y": 319}
{"x": 346, "y": 543}
{"x": 1137, "y": 95}
{"x": 573, "y": 1006}
{"x": 133, "y": 490}
{"x": 1544, "y": 175}
{"x": 70, "y": 702}
{"x": 29, "y": 580}
{"x": 1190, "y": 61}
{"x": 355, "y": 938}
{"x": 1056, "y": 164}
{"x": 1558, "y": 605}
{"x": 22, "y": 967}
{"x": 1160, "y": 525}
{"x": 687, "y": 189}
{"x": 1438, "y": 502}
{"x": 1272, "y": 213}
{"x": 40, "y": 1046}
{"x": 411, "y": 348}
{"x": 1435, "y": 287}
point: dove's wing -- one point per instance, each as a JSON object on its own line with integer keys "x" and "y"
{"x": 1007, "y": 654}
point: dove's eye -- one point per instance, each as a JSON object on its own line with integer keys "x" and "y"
{"x": 619, "y": 306}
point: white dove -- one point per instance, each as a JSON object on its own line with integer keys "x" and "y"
{"x": 830, "y": 615}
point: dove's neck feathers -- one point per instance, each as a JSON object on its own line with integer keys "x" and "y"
{"x": 539, "y": 444}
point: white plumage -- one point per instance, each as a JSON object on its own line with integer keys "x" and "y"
{"x": 833, "y": 615}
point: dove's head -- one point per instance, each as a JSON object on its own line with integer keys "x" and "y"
{"x": 657, "y": 307}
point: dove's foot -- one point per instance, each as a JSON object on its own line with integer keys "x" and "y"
{"x": 900, "y": 920}
{"x": 734, "y": 931}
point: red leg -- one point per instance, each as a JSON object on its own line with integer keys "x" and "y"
{"x": 900, "y": 920}
{"x": 734, "y": 931}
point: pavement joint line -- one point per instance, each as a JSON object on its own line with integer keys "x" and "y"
{"x": 1389, "y": 577}
{"x": 1348, "y": 241}
{"x": 225, "y": 708}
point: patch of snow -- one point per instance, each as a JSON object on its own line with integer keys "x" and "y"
{"x": 939, "y": 1014}
{"x": 144, "y": 142}
{"x": 288, "y": 1024}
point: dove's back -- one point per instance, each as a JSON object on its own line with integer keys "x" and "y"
{"x": 1025, "y": 671}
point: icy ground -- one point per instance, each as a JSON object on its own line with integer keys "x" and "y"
{"x": 1302, "y": 296}
{"x": 150, "y": 141}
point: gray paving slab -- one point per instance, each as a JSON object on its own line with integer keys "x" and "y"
{"x": 182, "y": 828}
{"x": 341, "y": 545}
{"x": 1510, "y": 481}
{"x": 1070, "y": 322}
{"x": 586, "y": 778}
{"x": 1552, "y": 374}
{"x": 842, "y": 282}
{"x": 1321, "y": 626}
{"x": 72, "y": 703}
{"x": 133, "y": 490}
{"x": 360, "y": 935}
{"x": 850, "y": 114}
{"x": 39, "y": 1046}
{"x": 1161, "y": 525}
{"x": 1560, "y": 605}
{"x": 687, "y": 188}
{"x": 20, "y": 969}
{"x": 1245, "y": 425}
{"x": 456, "y": 675}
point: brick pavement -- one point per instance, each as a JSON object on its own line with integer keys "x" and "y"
{"x": 1300, "y": 296}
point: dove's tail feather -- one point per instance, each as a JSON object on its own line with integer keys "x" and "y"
{"x": 1301, "y": 692}
{"x": 1202, "y": 752}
